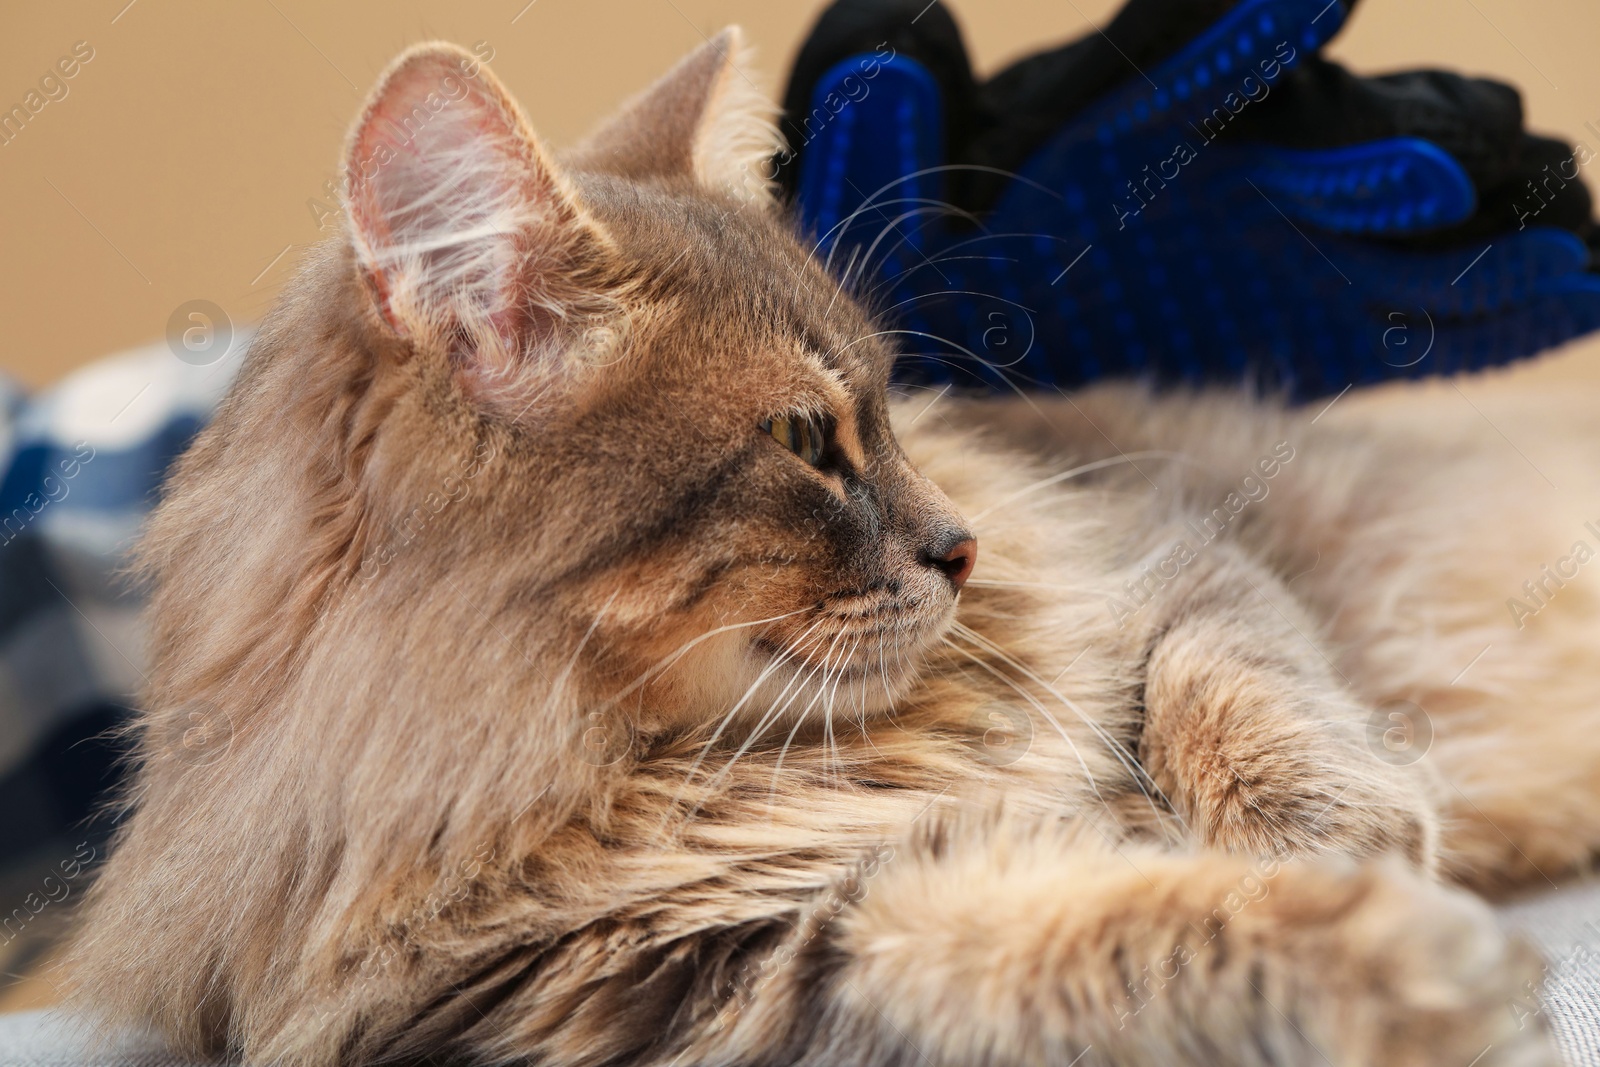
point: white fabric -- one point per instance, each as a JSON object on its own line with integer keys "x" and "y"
{"x": 1565, "y": 926}
{"x": 46, "y": 1039}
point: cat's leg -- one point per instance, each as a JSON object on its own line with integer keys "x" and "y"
{"x": 1252, "y": 733}
{"x": 1003, "y": 946}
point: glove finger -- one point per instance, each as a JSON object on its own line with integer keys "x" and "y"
{"x": 1520, "y": 179}
{"x": 1470, "y": 280}
{"x": 1408, "y": 187}
{"x": 1560, "y": 311}
{"x": 1091, "y": 89}
{"x": 1399, "y": 185}
{"x": 1224, "y": 196}
{"x": 1322, "y": 105}
{"x": 1477, "y": 120}
{"x": 872, "y": 31}
{"x": 871, "y": 178}
{"x": 1543, "y": 187}
{"x": 1221, "y": 74}
{"x": 1054, "y": 85}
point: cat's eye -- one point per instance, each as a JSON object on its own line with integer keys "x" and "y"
{"x": 805, "y": 437}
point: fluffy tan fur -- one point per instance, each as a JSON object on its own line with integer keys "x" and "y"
{"x": 572, "y": 719}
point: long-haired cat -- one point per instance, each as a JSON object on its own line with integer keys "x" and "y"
{"x": 607, "y": 672}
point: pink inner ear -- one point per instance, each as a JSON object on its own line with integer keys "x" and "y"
{"x": 443, "y": 185}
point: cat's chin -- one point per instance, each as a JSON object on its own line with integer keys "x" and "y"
{"x": 792, "y": 691}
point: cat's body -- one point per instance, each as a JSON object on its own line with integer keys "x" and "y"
{"x": 578, "y": 715}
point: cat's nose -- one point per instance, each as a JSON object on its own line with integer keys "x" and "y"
{"x": 954, "y": 555}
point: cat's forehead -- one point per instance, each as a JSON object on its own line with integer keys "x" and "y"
{"x": 741, "y": 271}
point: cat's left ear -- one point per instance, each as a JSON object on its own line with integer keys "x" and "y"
{"x": 703, "y": 120}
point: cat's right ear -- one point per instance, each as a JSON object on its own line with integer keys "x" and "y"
{"x": 469, "y": 236}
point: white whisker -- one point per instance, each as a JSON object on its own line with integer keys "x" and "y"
{"x": 1129, "y": 760}
{"x": 672, "y": 658}
{"x": 1086, "y": 468}
{"x": 761, "y": 678}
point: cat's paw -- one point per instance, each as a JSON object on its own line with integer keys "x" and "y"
{"x": 1255, "y": 768}
{"x": 1304, "y": 794}
{"x": 1420, "y": 976}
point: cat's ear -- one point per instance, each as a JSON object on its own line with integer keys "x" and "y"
{"x": 704, "y": 119}
{"x": 469, "y": 234}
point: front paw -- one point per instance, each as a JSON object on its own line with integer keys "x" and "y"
{"x": 1416, "y": 975}
{"x": 1254, "y": 766}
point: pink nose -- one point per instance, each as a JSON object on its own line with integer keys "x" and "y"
{"x": 957, "y": 563}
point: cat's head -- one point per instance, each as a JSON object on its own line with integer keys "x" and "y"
{"x": 689, "y": 424}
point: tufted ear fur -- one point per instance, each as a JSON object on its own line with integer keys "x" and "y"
{"x": 470, "y": 236}
{"x": 703, "y": 119}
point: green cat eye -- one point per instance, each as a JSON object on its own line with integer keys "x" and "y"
{"x": 805, "y": 437}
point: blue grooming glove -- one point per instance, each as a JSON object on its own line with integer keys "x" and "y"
{"x": 1192, "y": 196}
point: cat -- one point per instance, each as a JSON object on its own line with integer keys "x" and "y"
{"x": 592, "y": 664}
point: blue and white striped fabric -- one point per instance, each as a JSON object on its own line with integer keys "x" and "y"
{"x": 81, "y": 465}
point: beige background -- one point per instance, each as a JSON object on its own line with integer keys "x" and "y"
{"x": 182, "y": 160}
